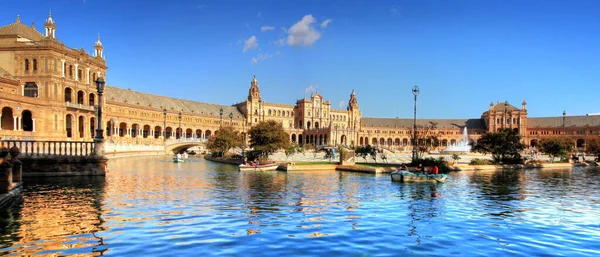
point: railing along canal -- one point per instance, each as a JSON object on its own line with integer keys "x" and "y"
{"x": 34, "y": 148}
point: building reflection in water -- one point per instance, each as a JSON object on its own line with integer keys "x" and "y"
{"x": 60, "y": 215}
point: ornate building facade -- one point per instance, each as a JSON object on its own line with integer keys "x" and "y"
{"x": 47, "y": 92}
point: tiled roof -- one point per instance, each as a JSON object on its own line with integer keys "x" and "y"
{"x": 408, "y": 123}
{"x": 21, "y": 29}
{"x": 172, "y": 104}
{"x": 5, "y": 74}
{"x": 570, "y": 121}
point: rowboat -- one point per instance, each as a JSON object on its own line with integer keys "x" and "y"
{"x": 175, "y": 159}
{"x": 407, "y": 176}
{"x": 261, "y": 167}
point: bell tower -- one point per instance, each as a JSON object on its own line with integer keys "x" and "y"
{"x": 50, "y": 27}
{"x": 253, "y": 104}
{"x": 354, "y": 118}
{"x": 98, "y": 48}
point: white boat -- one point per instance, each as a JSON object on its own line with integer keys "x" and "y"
{"x": 261, "y": 167}
{"x": 407, "y": 176}
{"x": 175, "y": 159}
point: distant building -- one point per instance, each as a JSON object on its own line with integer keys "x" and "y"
{"x": 48, "y": 92}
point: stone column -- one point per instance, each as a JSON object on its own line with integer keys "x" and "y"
{"x": 15, "y": 123}
{"x": 33, "y": 120}
{"x": 63, "y": 68}
{"x": 0, "y": 121}
{"x": 77, "y": 72}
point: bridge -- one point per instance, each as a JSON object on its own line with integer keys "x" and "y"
{"x": 176, "y": 145}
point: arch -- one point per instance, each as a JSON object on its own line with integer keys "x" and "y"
{"x": 69, "y": 125}
{"x": 68, "y": 94}
{"x": 122, "y": 129}
{"x": 80, "y": 98}
{"x": 444, "y": 142}
{"x": 343, "y": 140}
{"x": 168, "y": 132}
{"x": 382, "y": 141}
{"x": 26, "y": 65}
{"x": 293, "y": 138}
{"x": 390, "y": 142}
{"x": 361, "y": 140}
{"x": 198, "y": 133}
{"x": 109, "y": 127}
{"x": 374, "y": 141}
{"x": 308, "y": 125}
{"x": 91, "y": 99}
{"x": 300, "y": 124}
{"x": 533, "y": 143}
{"x": 135, "y": 128}
{"x": 189, "y": 133}
{"x": 580, "y": 143}
{"x": 81, "y": 127}
{"x": 405, "y": 141}
{"x": 300, "y": 139}
{"x": 207, "y": 134}
{"x": 34, "y": 65}
{"x": 157, "y": 132}
{"x": 397, "y": 142}
{"x": 316, "y": 124}
{"x": 26, "y": 120}
{"x": 320, "y": 142}
{"x": 30, "y": 89}
{"x": 7, "y": 119}
{"x": 93, "y": 127}
{"x": 269, "y": 112}
{"x": 453, "y": 142}
{"x": 70, "y": 71}
{"x": 146, "y": 131}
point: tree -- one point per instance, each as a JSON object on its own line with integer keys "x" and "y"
{"x": 556, "y": 147}
{"x": 226, "y": 139}
{"x": 267, "y": 137}
{"x": 593, "y": 147}
{"x": 291, "y": 150}
{"x": 504, "y": 145}
{"x": 364, "y": 151}
{"x": 427, "y": 137}
{"x": 309, "y": 147}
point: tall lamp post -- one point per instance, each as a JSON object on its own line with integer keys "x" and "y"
{"x": 415, "y": 92}
{"x": 221, "y": 114}
{"x": 564, "y": 115}
{"x": 165, "y": 125}
{"x": 244, "y": 138}
{"x": 99, "y": 138}
{"x": 179, "y": 129}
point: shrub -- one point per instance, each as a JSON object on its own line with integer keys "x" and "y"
{"x": 430, "y": 162}
{"x": 478, "y": 161}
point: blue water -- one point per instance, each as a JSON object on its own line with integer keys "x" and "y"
{"x": 153, "y": 207}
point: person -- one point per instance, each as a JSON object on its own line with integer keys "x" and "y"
{"x": 404, "y": 167}
{"x": 434, "y": 170}
{"x": 178, "y": 155}
{"x": 256, "y": 163}
{"x": 245, "y": 161}
{"x": 419, "y": 168}
{"x": 185, "y": 155}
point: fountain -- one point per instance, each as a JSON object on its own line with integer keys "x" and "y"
{"x": 462, "y": 146}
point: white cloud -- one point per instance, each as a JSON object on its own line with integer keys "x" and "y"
{"x": 266, "y": 28}
{"x": 310, "y": 89}
{"x": 262, "y": 57}
{"x": 251, "y": 43}
{"x": 342, "y": 104}
{"x": 325, "y": 23}
{"x": 280, "y": 42}
{"x": 303, "y": 32}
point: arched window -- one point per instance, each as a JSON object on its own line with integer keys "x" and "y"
{"x": 81, "y": 122}
{"x": 30, "y": 89}
{"x": 70, "y": 71}
{"x": 7, "y": 119}
{"x": 68, "y": 93}
{"x": 26, "y": 65}
{"x": 68, "y": 125}
{"x": 26, "y": 120}
{"x": 34, "y": 65}
{"x": 80, "y": 97}
{"x": 92, "y": 127}
{"x": 91, "y": 99}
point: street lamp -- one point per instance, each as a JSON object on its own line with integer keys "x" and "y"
{"x": 231, "y": 119}
{"x": 165, "y": 124}
{"x": 415, "y": 92}
{"x": 179, "y": 129}
{"x": 244, "y": 138}
{"x": 221, "y": 114}
{"x": 564, "y": 115}
{"x": 100, "y": 87}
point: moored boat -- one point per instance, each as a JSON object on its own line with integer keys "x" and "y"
{"x": 407, "y": 176}
{"x": 261, "y": 167}
{"x": 175, "y": 159}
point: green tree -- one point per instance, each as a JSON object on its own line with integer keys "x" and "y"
{"x": 556, "y": 147}
{"x": 291, "y": 150}
{"x": 225, "y": 139}
{"x": 364, "y": 151}
{"x": 592, "y": 146}
{"x": 504, "y": 145}
{"x": 427, "y": 138}
{"x": 267, "y": 137}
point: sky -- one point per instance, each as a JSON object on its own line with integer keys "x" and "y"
{"x": 462, "y": 54}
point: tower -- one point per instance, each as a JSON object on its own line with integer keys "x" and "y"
{"x": 354, "y": 117}
{"x": 98, "y": 47}
{"x": 253, "y": 105}
{"x": 50, "y": 27}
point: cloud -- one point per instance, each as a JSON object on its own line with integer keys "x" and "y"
{"x": 342, "y": 104}
{"x": 262, "y": 57}
{"x": 395, "y": 10}
{"x": 303, "y": 33}
{"x": 251, "y": 43}
{"x": 310, "y": 89}
{"x": 325, "y": 23}
{"x": 266, "y": 28}
{"x": 280, "y": 42}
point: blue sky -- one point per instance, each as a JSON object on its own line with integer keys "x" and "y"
{"x": 462, "y": 54}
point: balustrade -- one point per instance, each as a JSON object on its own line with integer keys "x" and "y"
{"x": 33, "y": 148}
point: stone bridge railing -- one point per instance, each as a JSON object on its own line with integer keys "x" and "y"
{"x": 185, "y": 140}
{"x": 34, "y": 148}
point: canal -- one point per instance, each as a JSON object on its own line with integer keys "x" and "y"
{"x": 150, "y": 206}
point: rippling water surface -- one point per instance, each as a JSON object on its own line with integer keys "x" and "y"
{"x": 152, "y": 207}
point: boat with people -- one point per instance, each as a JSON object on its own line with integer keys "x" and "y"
{"x": 407, "y": 176}
{"x": 175, "y": 159}
{"x": 260, "y": 167}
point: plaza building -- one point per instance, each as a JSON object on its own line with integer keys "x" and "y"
{"x": 48, "y": 92}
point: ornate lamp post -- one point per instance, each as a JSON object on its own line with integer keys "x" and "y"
{"x": 99, "y": 138}
{"x": 165, "y": 125}
{"x": 179, "y": 129}
{"x": 415, "y": 92}
{"x": 221, "y": 114}
{"x": 231, "y": 119}
{"x": 564, "y": 115}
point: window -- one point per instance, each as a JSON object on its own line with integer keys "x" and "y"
{"x": 70, "y": 71}
{"x": 26, "y": 65}
{"x": 30, "y": 89}
{"x": 79, "y": 74}
{"x": 34, "y": 65}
